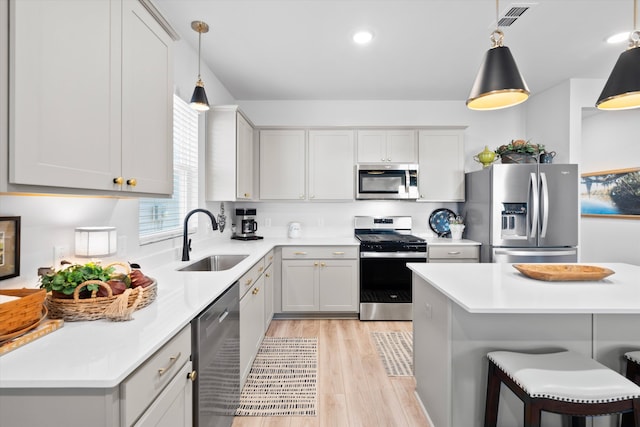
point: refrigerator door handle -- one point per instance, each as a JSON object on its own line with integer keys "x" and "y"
{"x": 545, "y": 204}
{"x": 534, "y": 198}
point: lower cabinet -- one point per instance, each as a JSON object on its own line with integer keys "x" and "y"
{"x": 268, "y": 296}
{"x": 252, "y": 308}
{"x": 319, "y": 281}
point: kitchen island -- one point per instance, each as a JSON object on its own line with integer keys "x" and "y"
{"x": 463, "y": 311}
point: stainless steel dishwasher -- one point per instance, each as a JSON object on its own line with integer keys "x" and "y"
{"x": 216, "y": 359}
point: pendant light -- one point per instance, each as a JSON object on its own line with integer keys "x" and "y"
{"x": 498, "y": 84}
{"x": 199, "y": 101}
{"x": 622, "y": 90}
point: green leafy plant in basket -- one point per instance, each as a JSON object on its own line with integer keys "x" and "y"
{"x": 66, "y": 280}
{"x": 520, "y": 146}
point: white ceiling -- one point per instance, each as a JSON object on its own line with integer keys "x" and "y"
{"x": 422, "y": 49}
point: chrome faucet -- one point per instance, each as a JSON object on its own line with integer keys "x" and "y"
{"x": 186, "y": 242}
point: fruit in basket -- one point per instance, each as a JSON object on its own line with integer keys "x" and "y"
{"x": 118, "y": 285}
{"x": 139, "y": 279}
{"x": 64, "y": 282}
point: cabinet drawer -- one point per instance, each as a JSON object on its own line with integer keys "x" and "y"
{"x": 268, "y": 258}
{"x": 140, "y": 389}
{"x": 314, "y": 252}
{"x": 453, "y": 252}
{"x": 250, "y": 277}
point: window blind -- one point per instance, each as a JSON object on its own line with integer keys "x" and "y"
{"x": 161, "y": 219}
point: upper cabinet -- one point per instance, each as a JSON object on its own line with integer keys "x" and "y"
{"x": 441, "y": 173}
{"x": 384, "y": 146}
{"x": 230, "y": 155}
{"x": 287, "y": 174}
{"x": 90, "y": 96}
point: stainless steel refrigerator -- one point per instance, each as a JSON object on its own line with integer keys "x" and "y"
{"x": 523, "y": 212}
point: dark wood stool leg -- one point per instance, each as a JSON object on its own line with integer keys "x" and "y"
{"x": 633, "y": 373}
{"x": 532, "y": 414}
{"x": 578, "y": 422}
{"x": 493, "y": 397}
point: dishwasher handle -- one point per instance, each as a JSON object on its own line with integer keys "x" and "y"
{"x": 223, "y": 316}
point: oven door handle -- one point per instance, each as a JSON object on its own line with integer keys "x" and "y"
{"x": 393, "y": 255}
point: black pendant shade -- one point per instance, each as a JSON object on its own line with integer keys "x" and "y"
{"x": 622, "y": 90}
{"x": 499, "y": 83}
{"x": 199, "y": 99}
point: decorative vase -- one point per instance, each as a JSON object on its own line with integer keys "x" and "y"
{"x": 513, "y": 157}
{"x": 456, "y": 231}
{"x": 485, "y": 157}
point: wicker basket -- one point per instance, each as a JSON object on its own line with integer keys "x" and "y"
{"x": 113, "y": 307}
{"x": 23, "y": 312}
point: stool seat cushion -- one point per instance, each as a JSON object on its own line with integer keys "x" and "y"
{"x": 634, "y": 356}
{"x": 566, "y": 376}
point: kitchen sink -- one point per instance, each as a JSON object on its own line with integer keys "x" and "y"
{"x": 214, "y": 263}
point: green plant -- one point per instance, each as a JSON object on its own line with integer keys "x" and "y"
{"x": 66, "y": 280}
{"x": 520, "y": 146}
{"x": 456, "y": 219}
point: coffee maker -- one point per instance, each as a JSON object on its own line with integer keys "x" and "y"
{"x": 244, "y": 225}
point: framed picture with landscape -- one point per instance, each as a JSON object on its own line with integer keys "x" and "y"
{"x": 612, "y": 193}
{"x": 9, "y": 246}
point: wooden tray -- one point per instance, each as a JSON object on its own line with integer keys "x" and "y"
{"x": 563, "y": 272}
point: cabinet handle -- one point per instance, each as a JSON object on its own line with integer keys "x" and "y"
{"x": 315, "y": 264}
{"x": 302, "y": 196}
{"x": 267, "y": 275}
{"x": 260, "y": 270}
{"x": 322, "y": 264}
{"x": 247, "y": 195}
{"x": 299, "y": 253}
{"x": 255, "y": 291}
{"x": 192, "y": 375}
{"x": 313, "y": 196}
{"x": 338, "y": 253}
{"x": 270, "y": 258}
{"x": 119, "y": 180}
{"x": 248, "y": 282}
{"x": 388, "y": 159}
{"x": 454, "y": 253}
{"x": 172, "y": 361}
{"x": 132, "y": 182}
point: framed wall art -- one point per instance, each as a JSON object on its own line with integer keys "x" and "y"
{"x": 613, "y": 193}
{"x": 9, "y": 247}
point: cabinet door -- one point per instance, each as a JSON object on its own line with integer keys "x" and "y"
{"x": 401, "y": 146}
{"x": 338, "y": 282}
{"x": 147, "y": 102}
{"x": 251, "y": 326}
{"x": 372, "y": 146}
{"x": 282, "y": 165}
{"x": 65, "y": 93}
{"x": 441, "y": 174}
{"x": 268, "y": 296}
{"x": 331, "y": 165}
{"x": 244, "y": 168}
{"x": 174, "y": 406}
{"x": 300, "y": 285}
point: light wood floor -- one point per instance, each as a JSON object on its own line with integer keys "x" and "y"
{"x": 353, "y": 387}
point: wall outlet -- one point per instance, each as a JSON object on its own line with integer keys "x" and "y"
{"x": 60, "y": 253}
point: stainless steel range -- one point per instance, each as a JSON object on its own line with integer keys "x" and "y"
{"x": 386, "y": 246}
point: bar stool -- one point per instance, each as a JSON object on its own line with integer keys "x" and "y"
{"x": 633, "y": 373}
{"x": 564, "y": 383}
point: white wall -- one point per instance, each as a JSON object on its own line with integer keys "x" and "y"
{"x": 610, "y": 141}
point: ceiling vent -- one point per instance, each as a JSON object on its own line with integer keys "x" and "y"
{"x": 512, "y": 14}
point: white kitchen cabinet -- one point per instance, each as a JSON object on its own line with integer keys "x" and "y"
{"x": 331, "y": 165}
{"x": 282, "y": 164}
{"x": 229, "y": 155}
{"x": 441, "y": 161}
{"x": 321, "y": 279}
{"x": 91, "y": 102}
{"x": 251, "y": 326}
{"x": 268, "y": 289}
{"x": 384, "y": 146}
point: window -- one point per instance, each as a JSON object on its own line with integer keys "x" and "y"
{"x": 161, "y": 219}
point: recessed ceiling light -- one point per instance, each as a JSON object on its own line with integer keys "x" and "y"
{"x": 363, "y": 37}
{"x": 618, "y": 38}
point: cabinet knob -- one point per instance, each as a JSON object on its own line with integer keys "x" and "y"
{"x": 302, "y": 196}
{"x": 247, "y": 195}
{"x": 315, "y": 264}
{"x": 248, "y": 282}
{"x": 255, "y": 291}
{"x": 119, "y": 180}
{"x": 322, "y": 264}
{"x": 132, "y": 182}
{"x": 388, "y": 159}
{"x": 192, "y": 375}
{"x": 267, "y": 275}
{"x": 261, "y": 269}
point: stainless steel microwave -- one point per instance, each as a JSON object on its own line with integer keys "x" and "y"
{"x": 392, "y": 181}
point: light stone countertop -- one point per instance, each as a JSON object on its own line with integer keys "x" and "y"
{"x": 102, "y": 353}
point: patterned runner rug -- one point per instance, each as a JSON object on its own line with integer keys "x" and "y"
{"x": 396, "y": 351}
{"x": 282, "y": 380}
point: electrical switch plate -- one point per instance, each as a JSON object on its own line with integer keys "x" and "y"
{"x": 59, "y": 253}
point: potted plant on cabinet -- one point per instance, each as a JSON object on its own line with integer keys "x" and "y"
{"x": 519, "y": 151}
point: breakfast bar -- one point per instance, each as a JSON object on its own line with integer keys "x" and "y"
{"x": 461, "y": 312}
